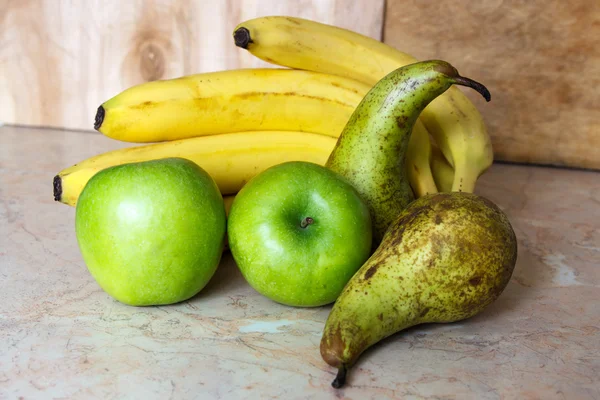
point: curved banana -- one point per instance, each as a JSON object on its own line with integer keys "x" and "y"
{"x": 443, "y": 173}
{"x": 417, "y": 163}
{"x": 231, "y": 101}
{"x": 232, "y": 159}
{"x": 452, "y": 119}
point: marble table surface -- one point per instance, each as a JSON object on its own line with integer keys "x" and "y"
{"x": 61, "y": 336}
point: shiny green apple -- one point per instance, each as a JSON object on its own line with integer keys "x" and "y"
{"x": 298, "y": 232}
{"x": 151, "y": 232}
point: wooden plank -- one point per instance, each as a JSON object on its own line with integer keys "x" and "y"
{"x": 60, "y": 59}
{"x": 540, "y": 59}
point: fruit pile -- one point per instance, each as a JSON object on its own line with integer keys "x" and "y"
{"x": 346, "y": 177}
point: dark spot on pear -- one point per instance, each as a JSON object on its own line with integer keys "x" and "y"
{"x": 476, "y": 280}
{"x": 371, "y": 271}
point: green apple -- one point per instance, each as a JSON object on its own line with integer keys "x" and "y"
{"x": 151, "y": 232}
{"x": 298, "y": 232}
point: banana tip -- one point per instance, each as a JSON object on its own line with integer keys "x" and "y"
{"x": 57, "y": 185}
{"x": 99, "y": 117}
{"x": 242, "y": 38}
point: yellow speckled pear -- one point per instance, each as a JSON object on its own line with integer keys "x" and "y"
{"x": 371, "y": 150}
{"x": 444, "y": 259}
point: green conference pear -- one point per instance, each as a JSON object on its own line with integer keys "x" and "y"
{"x": 371, "y": 150}
{"x": 445, "y": 258}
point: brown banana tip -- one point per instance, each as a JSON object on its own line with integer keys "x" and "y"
{"x": 57, "y": 185}
{"x": 461, "y": 80}
{"x": 99, "y": 117}
{"x": 340, "y": 378}
{"x": 242, "y": 38}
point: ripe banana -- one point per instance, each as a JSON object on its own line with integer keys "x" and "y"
{"x": 443, "y": 173}
{"x": 418, "y": 162}
{"x": 231, "y": 101}
{"x": 452, "y": 119}
{"x": 232, "y": 159}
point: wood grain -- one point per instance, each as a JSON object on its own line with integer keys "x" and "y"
{"x": 60, "y": 59}
{"x": 539, "y": 58}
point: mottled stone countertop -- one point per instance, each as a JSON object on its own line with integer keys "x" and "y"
{"x": 61, "y": 336}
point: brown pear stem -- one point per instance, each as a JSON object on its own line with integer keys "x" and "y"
{"x": 461, "y": 80}
{"x": 340, "y": 378}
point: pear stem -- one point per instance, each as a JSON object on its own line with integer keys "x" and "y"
{"x": 340, "y": 378}
{"x": 306, "y": 222}
{"x": 461, "y": 80}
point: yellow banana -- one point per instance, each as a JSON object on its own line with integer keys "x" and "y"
{"x": 443, "y": 173}
{"x": 452, "y": 119}
{"x": 231, "y": 101}
{"x": 232, "y": 159}
{"x": 417, "y": 163}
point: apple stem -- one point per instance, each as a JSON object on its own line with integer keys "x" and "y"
{"x": 306, "y": 222}
{"x": 340, "y": 378}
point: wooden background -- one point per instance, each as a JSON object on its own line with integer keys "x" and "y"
{"x": 59, "y": 59}
{"x": 540, "y": 59}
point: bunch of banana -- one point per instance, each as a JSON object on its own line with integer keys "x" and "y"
{"x": 234, "y": 124}
{"x": 451, "y": 119}
{"x": 237, "y": 123}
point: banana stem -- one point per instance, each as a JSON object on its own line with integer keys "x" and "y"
{"x": 99, "y": 118}
{"x": 57, "y": 186}
{"x": 340, "y": 378}
{"x": 242, "y": 38}
{"x": 461, "y": 80}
